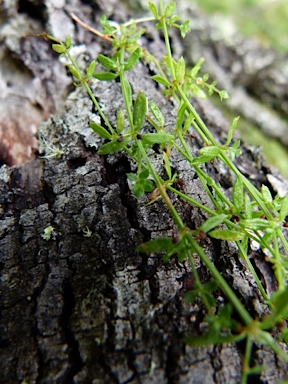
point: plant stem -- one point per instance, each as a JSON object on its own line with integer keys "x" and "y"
{"x": 247, "y": 319}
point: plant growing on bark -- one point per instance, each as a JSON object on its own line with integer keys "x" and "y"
{"x": 250, "y": 215}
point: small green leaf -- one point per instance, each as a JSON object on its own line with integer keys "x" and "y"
{"x": 226, "y": 234}
{"x": 223, "y": 95}
{"x": 127, "y": 91}
{"x": 180, "y": 69}
{"x": 190, "y": 296}
{"x": 180, "y": 116}
{"x": 157, "y": 245}
{"x": 170, "y": 8}
{"x": 173, "y": 19}
{"x": 131, "y": 176}
{"x": 198, "y": 92}
{"x": 120, "y": 121}
{"x": 161, "y": 80}
{"x": 202, "y": 159}
{"x": 196, "y": 68}
{"x": 266, "y": 194}
{"x": 105, "y": 76}
{"x": 156, "y": 138}
{"x": 205, "y": 77}
{"x": 211, "y": 286}
{"x": 74, "y": 72}
{"x": 59, "y": 48}
{"x": 167, "y": 165}
{"x": 68, "y": 41}
{"x": 176, "y": 249}
{"x": 90, "y": 69}
{"x": 144, "y": 174}
{"x": 212, "y": 222}
{"x": 280, "y": 302}
{"x": 188, "y": 122}
{"x": 236, "y": 144}
{"x": 137, "y": 190}
{"x": 209, "y": 338}
{"x": 210, "y": 150}
{"x": 113, "y": 146}
{"x": 231, "y": 131}
{"x": 255, "y": 224}
{"x": 154, "y": 10}
{"x": 237, "y": 194}
{"x": 107, "y": 62}
{"x": 184, "y": 29}
{"x": 148, "y": 185}
{"x": 132, "y": 59}
{"x": 102, "y": 132}
{"x": 108, "y": 28}
{"x": 284, "y": 208}
{"x": 156, "y": 112}
{"x": 139, "y": 111}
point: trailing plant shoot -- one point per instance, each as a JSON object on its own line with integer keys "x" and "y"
{"x": 250, "y": 215}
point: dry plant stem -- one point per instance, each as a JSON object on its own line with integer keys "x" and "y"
{"x": 86, "y": 26}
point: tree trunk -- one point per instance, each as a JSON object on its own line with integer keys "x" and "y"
{"x": 78, "y": 303}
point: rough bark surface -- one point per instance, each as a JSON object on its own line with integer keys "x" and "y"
{"x": 83, "y": 306}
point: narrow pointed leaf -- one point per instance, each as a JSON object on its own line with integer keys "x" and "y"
{"x": 102, "y": 132}
{"x": 154, "y": 10}
{"x": 212, "y": 151}
{"x": 161, "y": 80}
{"x": 120, "y": 121}
{"x": 231, "y": 130}
{"x": 197, "y": 67}
{"x": 132, "y": 59}
{"x": 113, "y": 146}
{"x": 105, "y": 76}
{"x": 266, "y": 194}
{"x": 107, "y": 62}
{"x": 68, "y": 41}
{"x": 74, "y": 72}
{"x": 156, "y": 138}
{"x": 139, "y": 110}
{"x": 90, "y": 69}
{"x": 226, "y": 234}
{"x": 156, "y": 112}
{"x": 284, "y": 208}
{"x": 237, "y": 194}
{"x": 167, "y": 165}
{"x": 58, "y": 48}
{"x": 127, "y": 91}
{"x": 170, "y": 9}
{"x": 180, "y": 116}
{"x": 202, "y": 159}
{"x": 157, "y": 245}
{"x": 212, "y": 222}
{"x": 255, "y": 224}
{"x": 180, "y": 69}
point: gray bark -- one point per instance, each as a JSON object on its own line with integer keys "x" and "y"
{"x": 84, "y": 306}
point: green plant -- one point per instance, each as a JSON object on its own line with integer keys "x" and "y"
{"x": 249, "y": 215}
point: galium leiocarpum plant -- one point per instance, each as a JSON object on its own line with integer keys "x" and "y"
{"x": 251, "y": 215}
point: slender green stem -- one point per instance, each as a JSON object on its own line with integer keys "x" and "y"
{"x": 246, "y": 360}
{"x": 239, "y": 307}
{"x": 160, "y": 187}
{"x": 166, "y": 38}
{"x": 90, "y": 93}
{"x": 124, "y": 91}
{"x": 198, "y": 283}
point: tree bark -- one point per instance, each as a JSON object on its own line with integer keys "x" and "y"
{"x": 83, "y": 306}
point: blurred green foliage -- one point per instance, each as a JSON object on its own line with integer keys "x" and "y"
{"x": 264, "y": 19}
